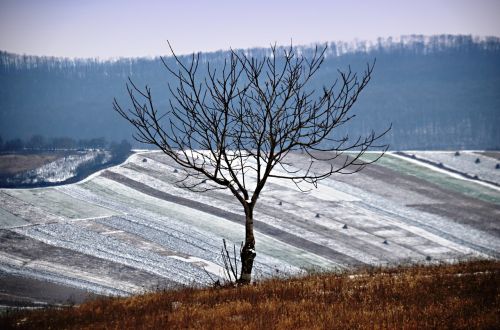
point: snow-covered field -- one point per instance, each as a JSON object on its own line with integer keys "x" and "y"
{"x": 472, "y": 163}
{"x": 131, "y": 229}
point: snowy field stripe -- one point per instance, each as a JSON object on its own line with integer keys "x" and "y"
{"x": 331, "y": 226}
{"x": 271, "y": 248}
{"x": 463, "y": 237}
{"x": 26, "y": 211}
{"x": 403, "y": 253}
{"x": 34, "y": 251}
{"x": 78, "y": 239}
{"x": 166, "y": 233}
{"x": 123, "y": 198}
{"x": 467, "y": 163}
{"x": 91, "y": 218}
{"x": 158, "y": 175}
{"x": 61, "y": 274}
{"x": 259, "y": 226}
{"x": 9, "y": 220}
{"x": 205, "y": 264}
{"x": 350, "y": 246}
{"x": 443, "y": 171}
{"x": 112, "y": 232}
{"x": 435, "y": 235}
{"x": 57, "y": 203}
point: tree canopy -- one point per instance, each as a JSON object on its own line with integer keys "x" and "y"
{"x": 236, "y": 125}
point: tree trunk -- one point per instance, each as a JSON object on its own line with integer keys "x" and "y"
{"x": 248, "y": 251}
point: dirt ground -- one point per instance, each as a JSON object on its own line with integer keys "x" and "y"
{"x": 19, "y": 291}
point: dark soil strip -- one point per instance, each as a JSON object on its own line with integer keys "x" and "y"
{"x": 259, "y": 225}
{"x": 19, "y": 291}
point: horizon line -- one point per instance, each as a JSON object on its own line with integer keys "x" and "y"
{"x": 351, "y": 42}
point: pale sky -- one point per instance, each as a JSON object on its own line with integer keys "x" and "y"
{"x": 114, "y": 28}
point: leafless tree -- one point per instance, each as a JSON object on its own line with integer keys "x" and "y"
{"x": 233, "y": 127}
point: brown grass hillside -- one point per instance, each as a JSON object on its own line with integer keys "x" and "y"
{"x": 11, "y": 164}
{"x": 461, "y": 296}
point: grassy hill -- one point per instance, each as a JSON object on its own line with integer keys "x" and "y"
{"x": 460, "y": 296}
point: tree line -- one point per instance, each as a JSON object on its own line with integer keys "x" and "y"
{"x": 440, "y": 92}
{"x": 408, "y": 44}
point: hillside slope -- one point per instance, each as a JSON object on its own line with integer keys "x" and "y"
{"x": 130, "y": 229}
{"x": 463, "y": 296}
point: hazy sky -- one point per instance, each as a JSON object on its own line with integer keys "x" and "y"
{"x": 112, "y": 28}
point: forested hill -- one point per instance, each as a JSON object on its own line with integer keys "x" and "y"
{"x": 439, "y": 92}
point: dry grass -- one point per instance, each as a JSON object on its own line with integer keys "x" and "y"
{"x": 461, "y": 296}
{"x": 11, "y": 164}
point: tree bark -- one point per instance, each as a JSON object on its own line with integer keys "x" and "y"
{"x": 248, "y": 251}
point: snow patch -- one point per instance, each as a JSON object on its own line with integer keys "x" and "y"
{"x": 205, "y": 264}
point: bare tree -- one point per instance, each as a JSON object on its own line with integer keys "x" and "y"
{"x": 233, "y": 128}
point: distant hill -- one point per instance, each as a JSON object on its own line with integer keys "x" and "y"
{"x": 439, "y": 92}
